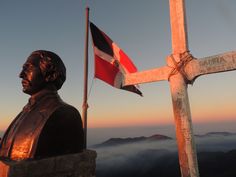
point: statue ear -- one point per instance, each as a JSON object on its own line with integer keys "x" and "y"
{"x": 51, "y": 77}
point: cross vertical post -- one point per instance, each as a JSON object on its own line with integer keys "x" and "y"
{"x": 178, "y": 87}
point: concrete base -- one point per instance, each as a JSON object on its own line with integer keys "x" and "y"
{"x": 73, "y": 165}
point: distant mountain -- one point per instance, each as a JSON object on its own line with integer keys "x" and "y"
{"x": 123, "y": 141}
{"x": 210, "y": 134}
{"x": 1, "y": 133}
{"x": 157, "y": 137}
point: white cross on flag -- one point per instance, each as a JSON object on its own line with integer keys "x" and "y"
{"x": 111, "y": 63}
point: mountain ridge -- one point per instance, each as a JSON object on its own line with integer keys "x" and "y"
{"x": 129, "y": 140}
{"x": 224, "y": 133}
{"x": 156, "y": 137}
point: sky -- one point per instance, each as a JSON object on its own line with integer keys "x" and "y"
{"x": 142, "y": 30}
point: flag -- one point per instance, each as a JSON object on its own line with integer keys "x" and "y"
{"x": 111, "y": 63}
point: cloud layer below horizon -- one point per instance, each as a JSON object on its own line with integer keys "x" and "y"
{"x": 152, "y": 158}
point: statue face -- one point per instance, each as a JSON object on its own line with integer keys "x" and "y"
{"x": 32, "y": 78}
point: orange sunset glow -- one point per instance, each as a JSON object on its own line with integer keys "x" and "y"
{"x": 147, "y": 42}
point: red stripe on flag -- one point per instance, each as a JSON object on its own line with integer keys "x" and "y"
{"x": 105, "y": 71}
{"x": 126, "y": 62}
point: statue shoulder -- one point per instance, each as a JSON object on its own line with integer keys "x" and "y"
{"x": 66, "y": 111}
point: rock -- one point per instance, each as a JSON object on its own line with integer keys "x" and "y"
{"x": 72, "y": 165}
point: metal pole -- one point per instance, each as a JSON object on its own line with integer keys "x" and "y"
{"x": 85, "y": 104}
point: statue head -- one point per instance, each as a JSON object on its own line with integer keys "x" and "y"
{"x": 42, "y": 69}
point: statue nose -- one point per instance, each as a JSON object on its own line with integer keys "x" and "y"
{"x": 21, "y": 75}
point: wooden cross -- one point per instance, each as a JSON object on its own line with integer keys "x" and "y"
{"x": 182, "y": 69}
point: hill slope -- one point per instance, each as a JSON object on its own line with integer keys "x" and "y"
{"x": 123, "y": 141}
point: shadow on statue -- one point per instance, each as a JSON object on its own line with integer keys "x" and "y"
{"x": 47, "y": 126}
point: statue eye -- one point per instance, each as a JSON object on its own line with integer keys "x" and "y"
{"x": 28, "y": 67}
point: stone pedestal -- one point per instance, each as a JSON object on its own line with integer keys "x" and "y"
{"x": 73, "y": 165}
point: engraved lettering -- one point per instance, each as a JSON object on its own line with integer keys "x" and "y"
{"x": 219, "y": 60}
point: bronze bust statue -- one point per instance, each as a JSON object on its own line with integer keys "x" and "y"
{"x": 46, "y": 126}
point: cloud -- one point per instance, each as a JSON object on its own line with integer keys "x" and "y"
{"x": 215, "y": 143}
{"x": 157, "y": 158}
{"x": 124, "y": 160}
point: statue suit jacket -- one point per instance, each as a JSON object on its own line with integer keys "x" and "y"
{"x": 45, "y": 127}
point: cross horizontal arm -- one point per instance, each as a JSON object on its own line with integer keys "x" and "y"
{"x": 213, "y": 64}
{"x": 157, "y": 74}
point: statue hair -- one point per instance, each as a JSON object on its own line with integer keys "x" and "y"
{"x": 52, "y": 67}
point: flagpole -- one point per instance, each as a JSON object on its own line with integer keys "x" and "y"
{"x": 85, "y": 103}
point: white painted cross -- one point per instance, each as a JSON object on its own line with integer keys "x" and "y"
{"x": 181, "y": 70}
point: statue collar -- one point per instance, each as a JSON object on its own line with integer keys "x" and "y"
{"x": 34, "y": 99}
